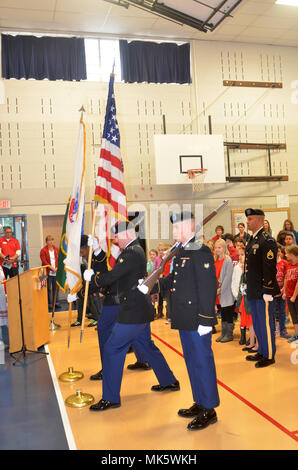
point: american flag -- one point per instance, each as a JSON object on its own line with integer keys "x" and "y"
{"x": 109, "y": 190}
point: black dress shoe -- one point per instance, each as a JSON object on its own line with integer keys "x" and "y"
{"x": 250, "y": 349}
{"x": 160, "y": 388}
{"x": 264, "y": 362}
{"x": 139, "y": 365}
{"x": 203, "y": 419}
{"x": 97, "y": 376}
{"x": 103, "y": 405}
{"x": 255, "y": 357}
{"x": 191, "y": 412}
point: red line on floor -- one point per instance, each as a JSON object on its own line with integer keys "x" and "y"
{"x": 246, "y": 402}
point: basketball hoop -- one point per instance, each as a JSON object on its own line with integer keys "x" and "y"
{"x": 197, "y": 177}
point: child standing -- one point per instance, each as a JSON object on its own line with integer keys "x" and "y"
{"x": 291, "y": 288}
{"x": 279, "y": 304}
{"x": 225, "y": 299}
{"x": 150, "y": 263}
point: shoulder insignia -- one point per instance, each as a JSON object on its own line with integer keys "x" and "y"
{"x": 270, "y": 254}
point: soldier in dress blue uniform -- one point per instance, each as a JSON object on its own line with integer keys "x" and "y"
{"x": 261, "y": 286}
{"x": 132, "y": 327}
{"x": 106, "y": 306}
{"x": 193, "y": 284}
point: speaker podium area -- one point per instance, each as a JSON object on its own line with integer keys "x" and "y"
{"x": 27, "y": 301}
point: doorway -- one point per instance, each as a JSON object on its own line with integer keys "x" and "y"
{"x": 18, "y": 224}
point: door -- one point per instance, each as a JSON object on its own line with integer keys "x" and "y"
{"x": 18, "y": 224}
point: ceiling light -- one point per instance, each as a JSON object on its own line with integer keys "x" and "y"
{"x": 290, "y": 3}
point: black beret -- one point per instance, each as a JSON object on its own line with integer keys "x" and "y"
{"x": 122, "y": 226}
{"x": 254, "y": 212}
{"x": 84, "y": 240}
{"x": 181, "y": 216}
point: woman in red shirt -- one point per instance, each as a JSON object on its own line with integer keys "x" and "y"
{"x": 291, "y": 288}
{"x": 49, "y": 257}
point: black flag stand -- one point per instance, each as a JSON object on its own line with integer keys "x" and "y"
{"x": 23, "y": 350}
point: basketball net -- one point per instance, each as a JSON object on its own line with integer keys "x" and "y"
{"x": 197, "y": 177}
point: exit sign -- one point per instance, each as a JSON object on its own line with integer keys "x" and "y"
{"x": 5, "y": 204}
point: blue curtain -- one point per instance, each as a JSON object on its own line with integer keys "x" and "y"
{"x": 45, "y": 57}
{"x": 144, "y": 61}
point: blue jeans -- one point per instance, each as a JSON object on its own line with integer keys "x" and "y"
{"x": 279, "y": 310}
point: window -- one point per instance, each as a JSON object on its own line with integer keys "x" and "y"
{"x": 100, "y": 57}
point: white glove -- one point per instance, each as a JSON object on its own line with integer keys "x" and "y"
{"x": 71, "y": 298}
{"x": 143, "y": 289}
{"x": 204, "y": 330}
{"x": 88, "y": 273}
{"x": 94, "y": 243}
{"x": 267, "y": 297}
{"x": 243, "y": 288}
{"x": 140, "y": 281}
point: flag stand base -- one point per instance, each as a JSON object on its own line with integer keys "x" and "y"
{"x": 54, "y": 326}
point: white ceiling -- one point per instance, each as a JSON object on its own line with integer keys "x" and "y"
{"x": 254, "y": 21}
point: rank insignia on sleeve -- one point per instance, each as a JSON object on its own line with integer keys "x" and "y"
{"x": 270, "y": 254}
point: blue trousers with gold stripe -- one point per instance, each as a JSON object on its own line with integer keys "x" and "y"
{"x": 199, "y": 359}
{"x": 263, "y": 322}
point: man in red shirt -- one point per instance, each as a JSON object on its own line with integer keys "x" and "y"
{"x": 9, "y": 252}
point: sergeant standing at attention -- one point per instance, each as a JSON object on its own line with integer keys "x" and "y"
{"x": 193, "y": 283}
{"x": 132, "y": 327}
{"x": 261, "y": 286}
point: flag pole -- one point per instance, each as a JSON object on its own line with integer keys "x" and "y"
{"x": 94, "y": 203}
{"x": 69, "y": 324}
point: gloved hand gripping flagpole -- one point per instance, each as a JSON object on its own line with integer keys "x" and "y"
{"x": 95, "y": 204}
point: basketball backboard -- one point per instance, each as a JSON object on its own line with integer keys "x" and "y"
{"x": 176, "y": 153}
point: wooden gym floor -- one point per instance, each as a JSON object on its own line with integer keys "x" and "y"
{"x": 258, "y": 409}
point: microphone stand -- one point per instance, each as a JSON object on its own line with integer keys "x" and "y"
{"x": 23, "y": 349}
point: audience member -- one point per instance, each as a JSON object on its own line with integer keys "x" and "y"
{"x": 239, "y": 244}
{"x": 224, "y": 299}
{"x": 236, "y": 277}
{"x": 9, "y": 252}
{"x": 266, "y": 226}
{"x": 289, "y": 227}
{"x": 244, "y": 309}
{"x": 162, "y": 248}
{"x": 291, "y": 288}
{"x": 281, "y": 237}
{"x": 210, "y": 244}
{"x": 219, "y": 230}
{"x": 242, "y": 234}
{"x": 289, "y": 239}
{"x": 279, "y": 304}
{"x": 49, "y": 257}
{"x": 228, "y": 238}
{"x": 150, "y": 263}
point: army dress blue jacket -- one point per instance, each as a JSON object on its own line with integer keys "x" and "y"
{"x": 193, "y": 284}
{"x": 122, "y": 280}
{"x": 260, "y": 266}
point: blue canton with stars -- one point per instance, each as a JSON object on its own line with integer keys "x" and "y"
{"x": 111, "y": 128}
